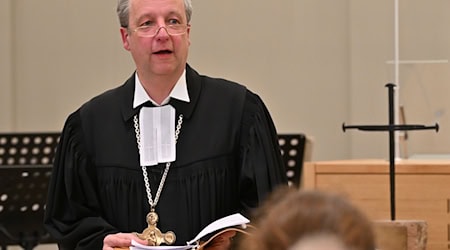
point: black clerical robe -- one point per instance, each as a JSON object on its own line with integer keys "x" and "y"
{"x": 227, "y": 161}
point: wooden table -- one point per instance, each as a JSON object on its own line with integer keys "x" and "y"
{"x": 422, "y": 190}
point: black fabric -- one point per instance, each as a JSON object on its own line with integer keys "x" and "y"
{"x": 228, "y": 160}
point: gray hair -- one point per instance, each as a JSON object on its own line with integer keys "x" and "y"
{"x": 123, "y": 11}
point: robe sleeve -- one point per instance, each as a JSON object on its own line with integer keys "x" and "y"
{"x": 262, "y": 167}
{"x": 73, "y": 214}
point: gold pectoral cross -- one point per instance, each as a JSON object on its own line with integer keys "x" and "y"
{"x": 153, "y": 235}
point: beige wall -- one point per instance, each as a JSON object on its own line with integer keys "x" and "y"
{"x": 65, "y": 52}
{"x": 423, "y": 87}
{"x": 316, "y": 63}
{"x": 6, "y": 68}
{"x": 295, "y": 55}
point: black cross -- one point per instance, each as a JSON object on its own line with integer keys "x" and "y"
{"x": 391, "y": 127}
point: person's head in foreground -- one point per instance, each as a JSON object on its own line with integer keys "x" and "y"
{"x": 309, "y": 220}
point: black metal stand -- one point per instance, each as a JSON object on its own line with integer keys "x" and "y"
{"x": 23, "y": 192}
{"x": 293, "y": 151}
{"x": 391, "y": 128}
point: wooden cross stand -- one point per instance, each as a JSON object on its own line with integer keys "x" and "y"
{"x": 391, "y": 128}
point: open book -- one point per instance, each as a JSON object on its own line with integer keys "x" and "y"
{"x": 221, "y": 225}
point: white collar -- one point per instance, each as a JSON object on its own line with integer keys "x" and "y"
{"x": 179, "y": 92}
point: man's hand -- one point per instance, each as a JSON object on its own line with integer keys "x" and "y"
{"x": 120, "y": 241}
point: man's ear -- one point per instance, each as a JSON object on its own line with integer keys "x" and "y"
{"x": 124, "y": 34}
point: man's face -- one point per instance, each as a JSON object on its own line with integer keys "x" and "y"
{"x": 163, "y": 54}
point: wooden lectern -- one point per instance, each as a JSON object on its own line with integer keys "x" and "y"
{"x": 422, "y": 190}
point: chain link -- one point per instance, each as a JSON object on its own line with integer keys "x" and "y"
{"x": 152, "y": 202}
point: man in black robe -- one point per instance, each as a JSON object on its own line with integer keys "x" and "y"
{"x": 227, "y": 154}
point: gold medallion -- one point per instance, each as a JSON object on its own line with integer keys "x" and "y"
{"x": 153, "y": 235}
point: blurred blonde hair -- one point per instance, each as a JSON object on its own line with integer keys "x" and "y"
{"x": 290, "y": 215}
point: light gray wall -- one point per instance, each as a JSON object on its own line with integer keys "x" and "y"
{"x": 423, "y": 87}
{"x": 294, "y": 55}
{"x": 6, "y": 68}
{"x": 316, "y": 63}
{"x": 65, "y": 52}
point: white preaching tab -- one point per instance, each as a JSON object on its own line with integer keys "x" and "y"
{"x": 157, "y": 127}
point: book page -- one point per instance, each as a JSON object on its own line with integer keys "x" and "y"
{"x": 228, "y": 221}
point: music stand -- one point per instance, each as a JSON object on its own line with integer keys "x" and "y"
{"x": 23, "y": 193}
{"x": 28, "y": 148}
{"x": 292, "y": 151}
{"x": 25, "y": 168}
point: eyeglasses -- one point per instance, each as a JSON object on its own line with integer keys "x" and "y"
{"x": 152, "y": 30}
